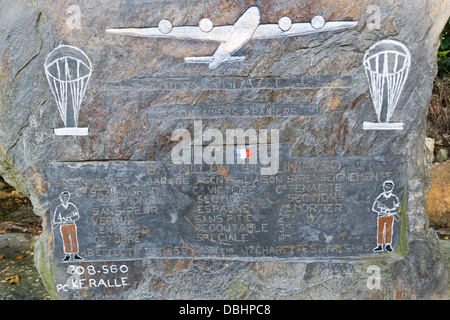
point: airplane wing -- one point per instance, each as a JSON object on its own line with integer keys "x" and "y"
{"x": 223, "y": 33}
{"x": 217, "y": 34}
{"x": 210, "y": 59}
{"x": 270, "y": 31}
{"x": 234, "y": 37}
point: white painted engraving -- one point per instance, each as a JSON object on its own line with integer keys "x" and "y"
{"x": 285, "y": 24}
{"x": 318, "y": 22}
{"x": 165, "y": 26}
{"x": 68, "y": 71}
{"x": 206, "y": 25}
{"x": 387, "y": 206}
{"x": 232, "y": 38}
{"x": 387, "y": 65}
{"x": 65, "y": 216}
{"x": 71, "y": 131}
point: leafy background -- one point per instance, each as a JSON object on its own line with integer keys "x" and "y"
{"x": 438, "y": 119}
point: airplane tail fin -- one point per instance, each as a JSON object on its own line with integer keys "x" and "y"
{"x": 199, "y": 59}
{"x": 210, "y": 59}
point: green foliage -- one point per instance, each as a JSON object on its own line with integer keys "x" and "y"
{"x": 444, "y": 53}
{"x": 438, "y": 118}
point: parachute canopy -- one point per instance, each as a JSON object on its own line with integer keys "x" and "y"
{"x": 387, "y": 65}
{"x": 68, "y": 71}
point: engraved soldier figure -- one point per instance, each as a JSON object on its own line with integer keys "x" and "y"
{"x": 386, "y": 205}
{"x": 65, "y": 216}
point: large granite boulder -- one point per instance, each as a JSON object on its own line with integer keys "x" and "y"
{"x": 93, "y": 106}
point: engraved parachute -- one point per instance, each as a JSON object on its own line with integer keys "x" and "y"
{"x": 68, "y": 71}
{"x": 387, "y": 65}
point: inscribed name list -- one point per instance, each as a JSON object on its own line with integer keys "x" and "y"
{"x": 311, "y": 207}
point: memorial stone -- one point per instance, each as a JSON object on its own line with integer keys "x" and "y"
{"x": 183, "y": 149}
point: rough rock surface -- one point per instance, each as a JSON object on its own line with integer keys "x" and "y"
{"x": 121, "y": 127}
{"x": 438, "y": 199}
{"x": 17, "y": 254}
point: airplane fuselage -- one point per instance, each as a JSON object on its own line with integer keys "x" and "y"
{"x": 244, "y": 28}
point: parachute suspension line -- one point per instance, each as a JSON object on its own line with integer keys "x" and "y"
{"x": 60, "y": 92}
{"x": 377, "y": 83}
{"x": 396, "y": 84}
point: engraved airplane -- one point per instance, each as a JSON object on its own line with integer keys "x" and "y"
{"x": 232, "y": 38}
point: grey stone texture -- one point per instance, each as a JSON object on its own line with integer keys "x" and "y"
{"x": 124, "y": 111}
